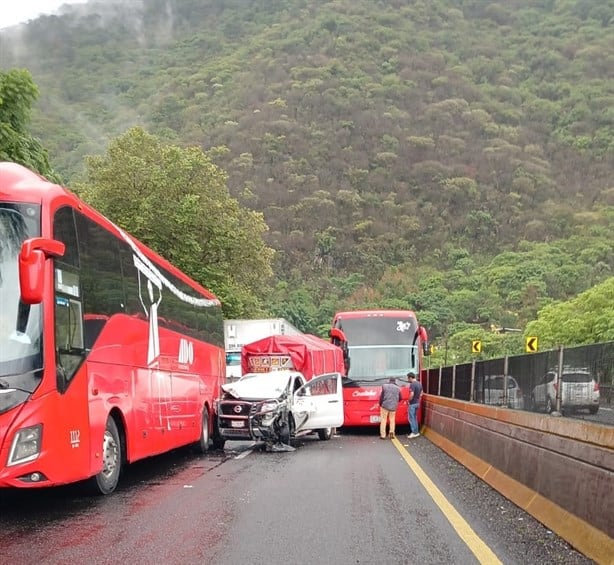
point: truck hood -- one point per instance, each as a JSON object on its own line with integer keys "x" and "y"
{"x": 259, "y": 387}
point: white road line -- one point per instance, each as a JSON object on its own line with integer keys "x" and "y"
{"x": 246, "y": 452}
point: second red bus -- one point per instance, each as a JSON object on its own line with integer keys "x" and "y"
{"x": 378, "y": 344}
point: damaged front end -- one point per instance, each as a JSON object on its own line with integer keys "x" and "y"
{"x": 263, "y": 420}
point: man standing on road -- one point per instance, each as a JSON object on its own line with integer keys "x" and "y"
{"x": 415, "y": 392}
{"x": 389, "y": 401}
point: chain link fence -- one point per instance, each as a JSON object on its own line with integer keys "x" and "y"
{"x": 569, "y": 381}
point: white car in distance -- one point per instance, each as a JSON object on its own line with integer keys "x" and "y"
{"x": 495, "y": 393}
{"x": 579, "y": 391}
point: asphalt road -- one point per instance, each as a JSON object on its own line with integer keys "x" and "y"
{"x": 605, "y": 415}
{"x": 352, "y": 500}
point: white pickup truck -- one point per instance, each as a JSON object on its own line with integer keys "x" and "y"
{"x": 278, "y": 406}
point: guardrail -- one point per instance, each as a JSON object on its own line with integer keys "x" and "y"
{"x": 559, "y": 470}
{"x": 568, "y": 380}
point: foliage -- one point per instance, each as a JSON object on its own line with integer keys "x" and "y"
{"x": 175, "y": 201}
{"x": 17, "y": 95}
{"x": 450, "y": 156}
{"x": 588, "y": 318}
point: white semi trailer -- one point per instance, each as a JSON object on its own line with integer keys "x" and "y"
{"x": 238, "y": 333}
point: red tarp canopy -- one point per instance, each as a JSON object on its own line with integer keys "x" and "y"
{"x": 309, "y": 354}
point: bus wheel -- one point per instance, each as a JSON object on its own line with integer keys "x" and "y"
{"x": 203, "y": 442}
{"x": 325, "y": 434}
{"x": 106, "y": 481}
{"x": 217, "y": 439}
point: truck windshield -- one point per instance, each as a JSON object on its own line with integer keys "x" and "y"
{"x": 20, "y": 324}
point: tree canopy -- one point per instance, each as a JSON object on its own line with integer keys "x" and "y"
{"x": 450, "y": 156}
{"x": 175, "y": 200}
{"x": 587, "y": 318}
{"x": 18, "y": 92}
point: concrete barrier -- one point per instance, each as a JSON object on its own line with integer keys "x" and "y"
{"x": 560, "y": 471}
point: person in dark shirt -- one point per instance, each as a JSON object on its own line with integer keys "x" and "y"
{"x": 389, "y": 401}
{"x": 415, "y": 392}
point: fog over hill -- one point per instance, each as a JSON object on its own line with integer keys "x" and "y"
{"x": 372, "y": 135}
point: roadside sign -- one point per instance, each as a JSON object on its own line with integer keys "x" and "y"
{"x": 531, "y": 344}
{"x": 476, "y": 346}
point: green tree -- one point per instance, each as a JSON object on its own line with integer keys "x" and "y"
{"x": 588, "y": 318}
{"x": 175, "y": 201}
{"x": 18, "y": 92}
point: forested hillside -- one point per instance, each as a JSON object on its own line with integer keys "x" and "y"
{"x": 453, "y": 156}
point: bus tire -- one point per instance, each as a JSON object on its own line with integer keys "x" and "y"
{"x": 325, "y": 434}
{"x": 106, "y": 481}
{"x": 203, "y": 443}
{"x": 217, "y": 439}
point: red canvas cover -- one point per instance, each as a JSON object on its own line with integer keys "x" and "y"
{"x": 306, "y": 353}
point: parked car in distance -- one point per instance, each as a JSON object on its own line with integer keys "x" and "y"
{"x": 278, "y": 406}
{"x": 579, "y": 391}
{"x": 494, "y": 393}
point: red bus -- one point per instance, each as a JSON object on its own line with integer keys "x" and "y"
{"x": 108, "y": 353}
{"x": 377, "y": 344}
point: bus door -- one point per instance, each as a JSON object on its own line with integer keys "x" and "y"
{"x": 70, "y": 433}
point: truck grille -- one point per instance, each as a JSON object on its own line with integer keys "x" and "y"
{"x": 235, "y": 408}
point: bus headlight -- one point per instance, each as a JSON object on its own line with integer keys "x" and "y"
{"x": 26, "y": 445}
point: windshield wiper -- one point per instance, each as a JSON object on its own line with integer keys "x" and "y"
{"x": 346, "y": 381}
{"x": 382, "y": 379}
{"x": 5, "y": 386}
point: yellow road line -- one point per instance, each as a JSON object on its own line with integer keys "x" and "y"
{"x": 482, "y": 552}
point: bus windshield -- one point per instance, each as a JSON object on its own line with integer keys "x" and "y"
{"x": 20, "y": 324}
{"x": 380, "y": 347}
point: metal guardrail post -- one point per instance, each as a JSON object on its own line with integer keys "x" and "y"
{"x": 454, "y": 381}
{"x": 472, "y": 389}
{"x": 559, "y": 380}
{"x": 439, "y": 383}
{"x": 505, "y": 389}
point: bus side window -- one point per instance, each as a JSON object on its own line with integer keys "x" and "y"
{"x": 92, "y": 326}
{"x": 69, "y": 345}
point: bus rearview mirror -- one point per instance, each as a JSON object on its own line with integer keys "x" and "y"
{"x": 32, "y": 258}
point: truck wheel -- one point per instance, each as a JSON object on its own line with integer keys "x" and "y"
{"x": 106, "y": 481}
{"x": 534, "y": 406}
{"x": 287, "y": 432}
{"x": 203, "y": 443}
{"x": 325, "y": 434}
{"x": 549, "y": 406}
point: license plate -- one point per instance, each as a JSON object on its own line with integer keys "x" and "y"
{"x": 236, "y": 424}
{"x": 374, "y": 419}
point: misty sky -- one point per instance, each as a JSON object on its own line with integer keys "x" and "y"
{"x": 14, "y": 12}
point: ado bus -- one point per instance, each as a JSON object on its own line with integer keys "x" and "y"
{"x": 108, "y": 354}
{"x": 377, "y": 344}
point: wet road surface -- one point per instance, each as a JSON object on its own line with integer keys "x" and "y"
{"x": 351, "y": 500}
